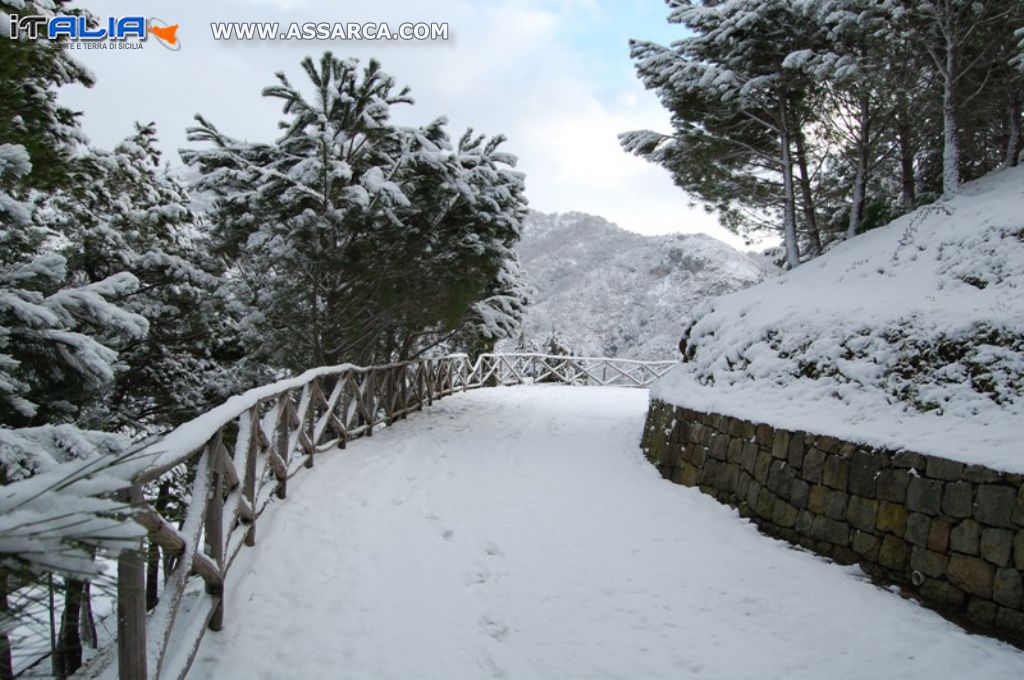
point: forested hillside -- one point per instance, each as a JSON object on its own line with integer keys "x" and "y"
{"x": 599, "y": 290}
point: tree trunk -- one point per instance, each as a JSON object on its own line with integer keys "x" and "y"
{"x": 861, "y": 179}
{"x": 6, "y": 662}
{"x": 1013, "y": 140}
{"x": 908, "y": 185}
{"x": 68, "y": 655}
{"x": 87, "y": 622}
{"x": 951, "y": 139}
{"x": 810, "y": 214}
{"x": 789, "y": 204}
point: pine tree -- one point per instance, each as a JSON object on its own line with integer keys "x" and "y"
{"x": 352, "y": 238}
{"x": 729, "y": 90}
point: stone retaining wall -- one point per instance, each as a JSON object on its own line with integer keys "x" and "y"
{"x": 950, "y": 534}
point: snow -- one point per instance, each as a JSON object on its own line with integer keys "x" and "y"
{"x": 517, "y": 532}
{"x": 910, "y": 336}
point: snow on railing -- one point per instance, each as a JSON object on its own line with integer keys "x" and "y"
{"x": 243, "y": 454}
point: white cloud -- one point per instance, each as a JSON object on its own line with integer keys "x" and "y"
{"x": 514, "y": 67}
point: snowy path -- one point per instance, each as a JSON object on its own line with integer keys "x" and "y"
{"x": 519, "y": 533}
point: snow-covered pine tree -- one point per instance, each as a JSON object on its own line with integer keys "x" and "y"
{"x": 353, "y": 238}
{"x": 728, "y": 89}
{"x": 124, "y": 212}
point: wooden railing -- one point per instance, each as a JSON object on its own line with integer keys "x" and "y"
{"x": 512, "y": 369}
{"x": 243, "y": 454}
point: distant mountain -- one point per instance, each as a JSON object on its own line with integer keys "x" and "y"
{"x": 605, "y": 291}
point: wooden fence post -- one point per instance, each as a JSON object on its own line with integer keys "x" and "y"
{"x": 131, "y": 606}
{"x": 215, "y": 526}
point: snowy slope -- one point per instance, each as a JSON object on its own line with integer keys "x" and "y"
{"x": 519, "y": 533}
{"x": 911, "y": 335}
{"x": 610, "y": 292}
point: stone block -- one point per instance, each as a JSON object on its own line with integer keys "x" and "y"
{"x": 799, "y": 493}
{"x": 971, "y": 574}
{"x": 795, "y": 452}
{"x": 742, "y": 485}
{"x": 892, "y": 518}
{"x": 837, "y": 533}
{"x": 862, "y": 513}
{"x": 893, "y": 553}
{"x": 730, "y": 476}
{"x": 924, "y": 495}
{"x": 819, "y": 528}
{"x": 958, "y": 499}
{"x": 864, "y": 469}
{"x": 994, "y": 503}
{"x": 979, "y": 474}
{"x": 1008, "y": 588}
{"x": 763, "y": 435}
{"x": 966, "y": 537}
{"x": 764, "y": 460}
{"x": 830, "y": 445}
{"x": 749, "y": 458}
{"x": 944, "y": 469}
{"x": 1018, "y": 509}
{"x": 892, "y": 485}
{"x": 1010, "y": 621}
{"x": 981, "y": 611}
{"x": 804, "y": 520}
{"x": 835, "y": 504}
{"x": 908, "y": 460}
{"x": 918, "y": 526}
{"x": 836, "y": 473}
{"x": 784, "y": 514}
{"x": 996, "y": 546}
{"x": 938, "y": 535}
{"x": 940, "y": 592}
{"x": 735, "y": 451}
{"x": 719, "y": 446}
{"x": 753, "y": 491}
{"x": 866, "y": 545}
{"x": 780, "y": 478}
{"x": 1018, "y": 549}
{"x": 928, "y": 562}
{"x": 780, "y": 444}
{"x": 816, "y": 500}
{"x": 765, "y": 504}
{"x": 814, "y": 463}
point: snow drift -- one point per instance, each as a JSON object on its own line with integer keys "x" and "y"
{"x": 911, "y": 335}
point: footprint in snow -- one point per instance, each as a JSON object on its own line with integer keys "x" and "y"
{"x": 492, "y": 549}
{"x": 495, "y": 629}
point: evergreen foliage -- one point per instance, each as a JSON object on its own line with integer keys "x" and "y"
{"x": 355, "y": 239}
{"x": 823, "y": 118}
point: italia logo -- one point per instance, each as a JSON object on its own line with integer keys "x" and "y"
{"x": 78, "y": 28}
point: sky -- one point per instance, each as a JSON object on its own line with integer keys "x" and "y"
{"x": 554, "y": 76}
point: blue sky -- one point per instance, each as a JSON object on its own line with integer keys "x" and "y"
{"x": 553, "y": 75}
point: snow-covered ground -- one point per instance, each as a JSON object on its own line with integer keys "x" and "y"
{"x": 908, "y": 336}
{"x": 519, "y": 533}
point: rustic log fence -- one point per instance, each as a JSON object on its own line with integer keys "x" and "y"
{"x": 244, "y": 453}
